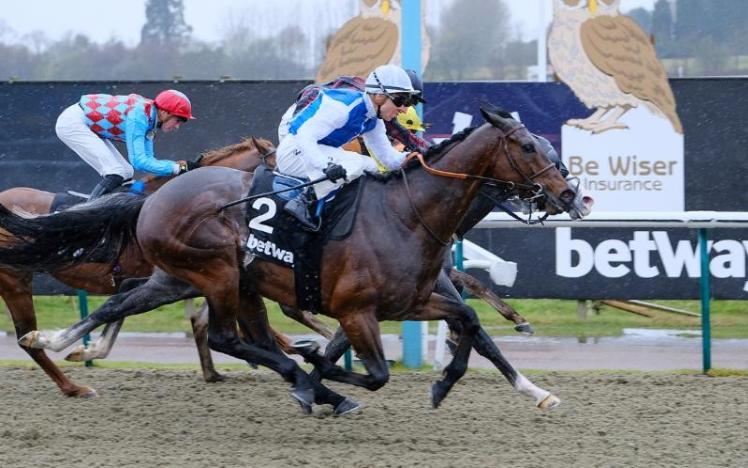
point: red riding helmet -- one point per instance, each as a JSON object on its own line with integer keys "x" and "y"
{"x": 174, "y": 102}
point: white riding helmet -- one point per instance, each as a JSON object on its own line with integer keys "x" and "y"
{"x": 387, "y": 79}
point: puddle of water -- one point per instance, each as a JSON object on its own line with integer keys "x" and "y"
{"x": 660, "y": 333}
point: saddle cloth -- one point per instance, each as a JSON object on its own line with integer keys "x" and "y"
{"x": 276, "y": 236}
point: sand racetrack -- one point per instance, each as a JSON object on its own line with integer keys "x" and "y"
{"x": 172, "y": 418}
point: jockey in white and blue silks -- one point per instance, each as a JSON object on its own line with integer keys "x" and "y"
{"x": 312, "y": 148}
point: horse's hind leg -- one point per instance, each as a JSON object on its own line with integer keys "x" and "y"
{"x": 199, "y": 322}
{"x": 474, "y": 287}
{"x": 253, "y": 322}
{"x": 160, "y": 289}
{"x": 100, "y": 348}
{"x": 307, "y": 319}
{"x": 364, "y": 329}
{"x": 15, "y": 289}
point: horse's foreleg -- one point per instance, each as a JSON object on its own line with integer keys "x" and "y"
{"x": 15, "y": 289}
{"x": 442, "y": 308}
{"x": 486, "y": 347}
{"x": 199, "y": 322}
{"x": 307, "y": 319}
{"x": 462, "y": 280}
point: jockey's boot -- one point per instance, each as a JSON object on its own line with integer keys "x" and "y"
{"x": 106, "y": 185}
{"x": 300, "y": 208}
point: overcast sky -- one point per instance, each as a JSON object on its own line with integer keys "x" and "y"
{"x": 101, "y": 21}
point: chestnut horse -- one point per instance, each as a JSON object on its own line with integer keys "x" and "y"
{"x": 385, "y": 270}
{"x": 98, "y": 277}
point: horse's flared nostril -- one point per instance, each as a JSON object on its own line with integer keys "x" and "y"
{"x": 567, "y": 196}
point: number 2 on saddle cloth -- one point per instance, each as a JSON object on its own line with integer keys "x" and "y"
{"x": 276, "y": 236}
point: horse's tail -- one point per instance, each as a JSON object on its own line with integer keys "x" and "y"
{"x": 93, "y": 232}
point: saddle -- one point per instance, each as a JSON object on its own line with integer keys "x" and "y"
{"x": 276, "y": 236}
{"x": 64, "y": 200}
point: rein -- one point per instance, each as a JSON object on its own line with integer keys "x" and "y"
{"x": 531, "y": 185}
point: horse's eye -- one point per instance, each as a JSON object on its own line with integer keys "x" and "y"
{"x": 528, "y": 148}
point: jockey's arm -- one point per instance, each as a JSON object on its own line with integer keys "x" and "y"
{"x": 140, "y": 148}
{"x": 381, "y": 149}
{"x": 327, "y": 117}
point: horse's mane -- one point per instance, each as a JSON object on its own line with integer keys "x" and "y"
{"x": 432, "y": 152}
{"x": 247, "y": 144}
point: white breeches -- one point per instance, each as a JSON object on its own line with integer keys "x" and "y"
{"x": 291, "y": 162}
{"x": 99, "y": 153}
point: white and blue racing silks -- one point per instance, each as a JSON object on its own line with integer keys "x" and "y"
{"x": 139, "y": 133}
{"x": 335, "y": 118}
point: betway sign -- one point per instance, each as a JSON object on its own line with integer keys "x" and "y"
{"x": 615, "y": 258}
{"x": 613, "y": 263}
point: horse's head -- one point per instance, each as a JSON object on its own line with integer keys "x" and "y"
{"x": 522, "y": 162}
{"x": 244, "y": 156}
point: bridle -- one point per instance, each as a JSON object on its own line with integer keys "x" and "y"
{"x": 537, "y": 190}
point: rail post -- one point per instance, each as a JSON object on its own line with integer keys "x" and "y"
{"x": 83, "y": 309}
{"x": 705, "y": 293}
{"x": 410, "y": 46}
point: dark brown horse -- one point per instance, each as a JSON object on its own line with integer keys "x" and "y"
{"x": 102, "y": 277}
{"x": 15, "y": 286}
{"x": 384, "y": 271}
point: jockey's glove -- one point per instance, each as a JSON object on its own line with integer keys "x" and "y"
{"x": 334, "y": 172}
{"x": 185, "y": 166}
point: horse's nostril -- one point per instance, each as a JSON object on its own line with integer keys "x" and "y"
{"x": 567, "y": 196}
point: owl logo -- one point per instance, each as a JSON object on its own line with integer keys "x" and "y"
{"x": 609, "y": 63}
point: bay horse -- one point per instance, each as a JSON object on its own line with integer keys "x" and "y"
{"x": 385, "y": 270}
{"x": 108, "y": 278}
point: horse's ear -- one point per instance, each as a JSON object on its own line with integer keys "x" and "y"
{"x": 256, "y": 144}
{"x": 489, "y": 117}
{"x": 496, "y": 116}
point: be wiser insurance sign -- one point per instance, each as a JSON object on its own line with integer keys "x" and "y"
{"x": 635, "y": 167}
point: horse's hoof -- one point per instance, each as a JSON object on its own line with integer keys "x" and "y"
{"x": 77, "y": 355}
{"x": 214, "y": 377}
{"x": 305, "y": 397}
{"x": 30, "y": 339}
{"x": 305, "y": 409}
{"x": 438, "y": 392}
{"x": 348, "y": 406}
{"x": 549, "y": 402}
{"x": 83, "y": 392}
{"x": 524, "y": 328}
{"x": 306, "y": 347}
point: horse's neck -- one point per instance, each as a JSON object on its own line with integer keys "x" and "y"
{"x": 477, "y": 210}
{"x": 442, "y": 201}
{"x": 247, "y": 161}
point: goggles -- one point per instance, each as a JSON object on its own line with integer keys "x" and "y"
{"x": 404, "y": 99}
